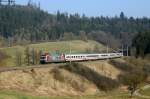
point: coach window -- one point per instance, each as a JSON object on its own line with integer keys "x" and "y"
{"x": 68, "y": 56}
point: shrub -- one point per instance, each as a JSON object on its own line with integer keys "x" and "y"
{"x": 121, "y": 65}
{"x": 76, "y": 85}
{"x": 146, "y": 69}
{"x": 102, "y": 82}
{"x": 3, "y": 58}
{"x": 57, "y": 74}
{"x": 133, "y": 79}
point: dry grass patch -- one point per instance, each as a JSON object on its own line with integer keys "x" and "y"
{"x": 44, "y": 81}
{"x": 103, "y": 67}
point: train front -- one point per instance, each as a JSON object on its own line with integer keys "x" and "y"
{"x": 44, "y": 58}
{"x": 52, "y": 58}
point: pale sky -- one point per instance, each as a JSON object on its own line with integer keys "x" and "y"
{"x": 135, "y": 8}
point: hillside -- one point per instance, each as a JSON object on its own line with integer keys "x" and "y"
{"x": 84, "y": 80}
{"x": 56, "y": 81}
{"x": 76, "y": 46}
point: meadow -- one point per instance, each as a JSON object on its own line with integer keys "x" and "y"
{"x": 74, "y": 46}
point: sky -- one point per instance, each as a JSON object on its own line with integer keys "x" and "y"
{"x": 135, "y": 8}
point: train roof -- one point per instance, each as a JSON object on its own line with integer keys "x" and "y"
{"x": 57, "y": 54}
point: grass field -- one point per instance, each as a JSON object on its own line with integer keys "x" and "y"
{"x": 145, "y": 92}
{"x": 17, "y": 95}
{"x": 5, "y": 94}
{"x": 76, "y": 46}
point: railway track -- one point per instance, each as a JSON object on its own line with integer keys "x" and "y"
{"x": 6, "y": 69}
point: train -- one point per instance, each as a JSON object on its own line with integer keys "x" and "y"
{"x": 59, "y": 58}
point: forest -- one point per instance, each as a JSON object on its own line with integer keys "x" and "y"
{"x": 30, "y": 24}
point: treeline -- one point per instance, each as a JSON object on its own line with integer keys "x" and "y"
{"x": 21, "y": 23}
{"x": 26, "y": 24}
{"x": 141, "y": 43}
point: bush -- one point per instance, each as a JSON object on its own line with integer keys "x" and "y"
{"x": 121, "y": 65}
{"x": 133, "y": 79}
{"x": 57, "y": 74}
{"x": 146, "y": 69}
{"x": 102, "y": 82}
{"x": 3, "y": 58}
{"x": 76, "y": 85}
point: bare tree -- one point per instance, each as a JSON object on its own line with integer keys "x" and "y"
{"x": 27, "y": 56}
{"x": 83, "y": 36}
{"x": 3, "y": 58}
{"x": 133, "y": 79}
{"x": 18, "y": 58}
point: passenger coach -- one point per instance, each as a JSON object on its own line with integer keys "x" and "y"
{"x": 53, "y": 58}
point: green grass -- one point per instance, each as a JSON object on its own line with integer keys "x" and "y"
{"x": 76, "y": 46}
{"x": 17, "y": 95}
{"x": 5, "y": 94}
{"x": 145, "y": 92}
